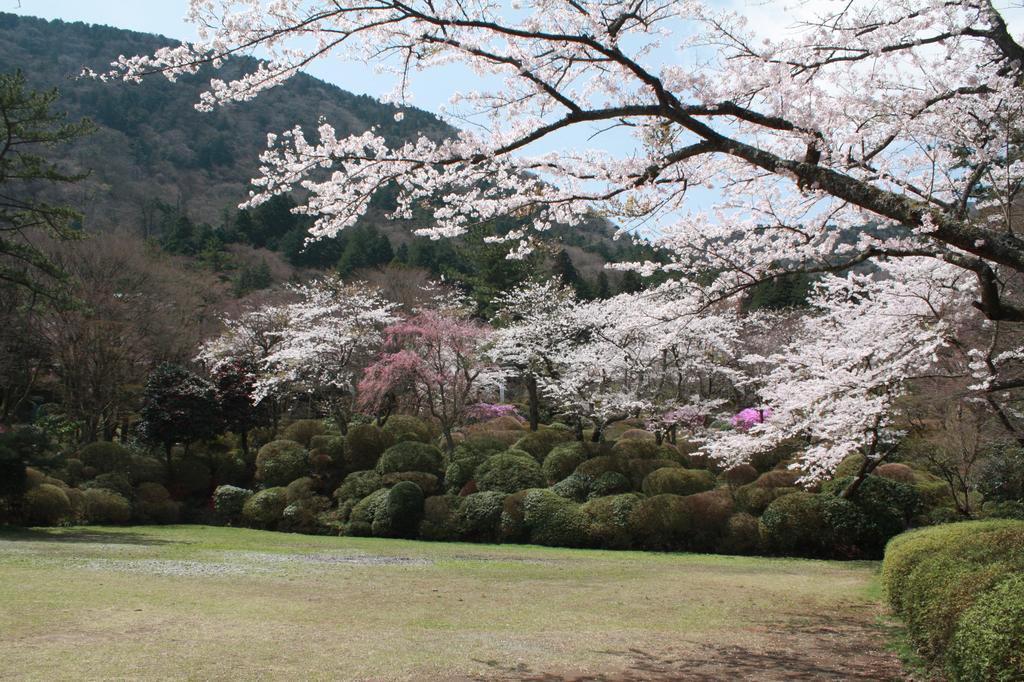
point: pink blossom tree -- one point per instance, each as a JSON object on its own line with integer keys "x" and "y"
{"x": 433, "y": 361}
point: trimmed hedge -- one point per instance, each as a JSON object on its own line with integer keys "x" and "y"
{"x": 508, "y": 472}
{"x": 796, "y": 524}
{"x": 400, "y": 513}
{"x": 105, "y": 506}
{"x": 439, "y": 517}
{"x": 153, "y": 504}
{"x": 562, "y": 461}
{"x": 662, "y": 522}
{"x": 937, "y": 580}
{"x": 637, "y": 449}
{"x": 364, "y": 444}
{"x": 478, "y": 518}
{"x": 428, "y": 483}
{"x": 742, "y": 535}
{"x": 46, "y": 505}
{"x": 539, "y": 443}
{"x": 405, "y": 427}
{"x": 360, "y": 521}
{"x": 411, "y": 456}
{"x": 229, "y": 500}
{"x": 608, "y": 521}
{"x": 106, "y": 457}
{"x": 678, "y": 481}
{"x": 553, "y": 520}
{"x": 264, "y": 509}
{"x": 280, "y": 462}
{"x": 303, "y": 431}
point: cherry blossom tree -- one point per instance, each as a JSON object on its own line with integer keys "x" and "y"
{"x": 434, "y": 361}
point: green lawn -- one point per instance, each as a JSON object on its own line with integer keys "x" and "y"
{"x": 198, "y": 602}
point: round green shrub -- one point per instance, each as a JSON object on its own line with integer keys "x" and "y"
{"x": 742, "y": 535}
{"x": 439, "y": 518}
{"x": 46, "y": 505}
{"x": 73, "y": 472}
{"x": 404, "y": 427}
{"x": 553, "y": 520}
{"x": 77, "y": 499}
{"x": 509, "y": 472}
{"x": 850, "y": 466}
{"x": 513, "y": 522}
{"x": 562, "y": 461}
{"x": 769, "y": 459}
{"x": 575, "y": 486}
{"x": 460, "y": 472}
{"x": 411, "y": 456}
{"x": 678, "y": 481}
{"x": 303, "y": 431}
{"x": 602, "y": 463}
{"x": 710, "y": 511}
{"x": 106, "y": 457}
{"x": 662, "y": 522}
{"x": 146, "y": 469}
{"x": 280, "y": 462}
{"x": 777, "y": 478}
{"x": 754, "y": 499}
{"x": 399, "y": 516}
{"x": 303, "y": 515}
{"x": 741, "y": 474}
{"x": 479, "y": 447}
{"x": 358, "y": 485}
{"x": 360, "y": 521}
{"x": 300, "y": 489}
{"x": 540, "y": 443}
{"x": 987, "y": 644}
{"x": 478, "y": 518}
{"x": 323, "y": 441}
{"x": 119, "y": 483}
{"x": 636, "y": 434}
{"x": 506, "y": 423}
{"x": 33, "y": 477}
{"x": 795, "y": 524}
{"x": 428, "y": 483}
{"x": 153, "y": 504}
{"x": 639, "y": 469}
{"x": 13, "y": 474}
{"x": 895, "y": 471}
{"x": 105, "y": 506}
{"x": 886, "y": 507}
{"x": 636, "y": 449}
{"x": 228, "y": 501}
{"x": 609, "y": 483}
{"x": 264, "y": 509}
{"x": 608, "y": 521}
{"x": 364, "y": 444}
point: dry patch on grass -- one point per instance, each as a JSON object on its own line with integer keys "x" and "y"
{"x": 193, "y": 602}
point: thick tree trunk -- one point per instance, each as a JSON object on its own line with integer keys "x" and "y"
{"x": 866, "y": 468}
{"x": 534, "y": 400}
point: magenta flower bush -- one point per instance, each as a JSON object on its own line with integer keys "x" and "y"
{"x": 746, "y": 419}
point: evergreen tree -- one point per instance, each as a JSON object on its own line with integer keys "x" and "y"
{"x": 235, "y": 385}
{"x": 564, "y": 269}
{"x": 604, "y": 289}
{"x": 631, "y": 282}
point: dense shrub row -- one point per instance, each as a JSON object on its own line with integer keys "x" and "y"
{"x": 960, "y": 590}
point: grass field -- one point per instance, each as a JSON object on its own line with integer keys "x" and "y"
{"x": 197, "y": 602}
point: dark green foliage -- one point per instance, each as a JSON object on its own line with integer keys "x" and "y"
{"x": 106, "y": 506}
{"x": 609, "y": 483}
{"x": 264, "y": 509}
{"x": 755, "y": 499}
{"x": 539, "y": 443}
{"x": 153, "y": 504}
{"x": 478, "y": 518}
{"x": 662, "y": 522}
{"x": 106, "y": 457}
{"x": 636, "y": 448}
{"x": 119, "y": 483}
{"x": 986, "y": 646}
{"x": 303, "y": 431}
{"x": 411, "y": 456}
{"x": 850, "y": 466}
{"x": 562, "y": 461}
{"x": 178, "y": 406}
{"x": 192, "y": 477}
{"x": 403, "y": 427}
{"x": 742, "y": 535}
{"x": 739, "y": 475}
{"x": 608, "y": 521}
{"x": 439, "y": 518}
{"x": 364, "y": 444}
{"x": 638, "y": 469}
{"x": 360, "y": 521}
{"x": 785, "y": 291}
{"x": 577, "y": 486}
{"x": 678, "y": 481}
{"x": 399, "y": 515}
{"x": 428, "y": 483}
{"x": 13, "y": 480}
{"x": 885, "y": 508}
{"x": 1001, "y": 474}
{"x": 358, "y": 485}
{"x": 895, "y": 471}
{"x": 300, "y": 489}
{"x": 553, "y": 520}
{"x": 46, "y": 505}
{"x": 250, "y": 277}
{"x": 508, "y": 472}
{"x": 603, "y": 463}
{"x": 710, "y": 511}
{"x": 467, "y": 456}
{"x": 280, "y": 462}
{"x": 795, "y": 524}
{"x": 144, "y": 469}
{"x": 228, "y": 501}
{"x": 303, "y": 515}
{"x": 513, "y": 522}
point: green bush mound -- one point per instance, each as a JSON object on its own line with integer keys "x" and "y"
{"x": 553, "y": 520}
{"x": 46, "y": 505}
{"x": 880, "y": 509}
{"x": 153, "y": 504}
{"x": 400, "y": 513}
{"x": 767, "y": 460}
{"x": 636, "y": 470}
{"x": 428, "y": 483}
{"x": 795, "y": 524}
{"x": 145, "y": 469}
{"x": 513, "y": 522}
{"x": 562, "y": 461}
{"x": 988, "y": 645}
{"x": 662, "y": 522}
{"x": 615, "y": 430}
{"x": 576, "y": 486}
{"x": 636, "y": 434}
{"x": 106, "y": 457}
{"x": 76, "y": 497}
{"x": 120, "y": 483}
{"x": 608, "y": 521}
{"x": 637, "y": 449}
{"x": 509, "y": 472}
{"x": 742, "y": 535}
{"x": 467, "y": 456}
{"x": 303, "y": 515}
{"x": 280, "y": 462}
{"x": 405, "y": 427}
{"x": 850, "y": 466}
{"x": 301, "y": 489}
{"x": 739, "y": 475}
{"x": 754, "y": 499}
{"x": 439, "y": 518}
{"x": 507, "y": 423}
{"x": 360, "y": 520}
{"x": 327, "y": 455}
{"x": 507, "y": 438}
{"x": 358, "y": 485}
{"x": 603, "y": 463}
{"x": 710, "y": 511}
{"x": 229, "y": 500}
{"x": 264, "y": 509}
{"x": 105, "y": 506}
{"x": 935, "y": 576}
{"x": 364, "y": 444}
{"x": 411, "y": 456}
{"x": 303, "y": 431}
{"x": 540, "y": 442}
{"x": 478, "y": 518}
{"x": 895, "y": 471}
{"x": 609, "y": 483}
{"x": 677, "y": 481}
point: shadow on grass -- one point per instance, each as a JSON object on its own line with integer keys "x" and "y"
{"x": 95, "y": 535}
{"x": 823, "y": 648}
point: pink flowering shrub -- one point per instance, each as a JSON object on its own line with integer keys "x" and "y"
{"x": 486, "y": 411}
{"x": 746, "y": 419}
